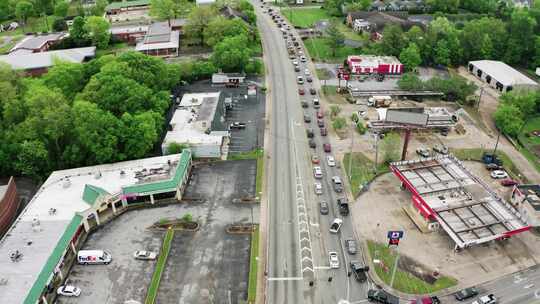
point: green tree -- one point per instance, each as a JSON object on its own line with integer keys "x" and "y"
{"x": 444, "y": 6}
{"x": 78, "y": 31}
{"x": 139, "y": 133}
{"x": 333, "y": 7}
{"x": 32, "y": 159}
{"x": 175, "y": 148}
{"x": 232, "y": 54}
{"x": 149, "y": 71}
{"x": 410, "y": 57}
{"x": 442, "y": 53}
{"x": 59, "y": 25}
{"x": 509, "y": 119}
{"x": 410, "y": 82}
{"x": 198, "y": 20}
{"x": 474, "y": 29}
{"x": 525, "y": 101}
{"x": 220, "y": 27}
{"x": 98, "y": 9}
{"x": 486, "y": 47}
{"x": 44, "y": 8}
{"x": 334, "y": 37}
{"x": 96, "y": 135}
{"x": 334, "y": 111}
{"x": 61, "y": 8}
{"x": 537, "y": 51}
{"x": 359, "y": 5}
{"x": 480, "y": 6}
{"x": 521, "y": 38}
{"x": 339, "y": 123}
{"x": 390, "y": 147}
{"x": 162, "y": 9}
{"x": 393, "y": 40}
{"x": 98, "y": 31}
{"x": 23, "y": 10}
{"x": 67, "y": 78}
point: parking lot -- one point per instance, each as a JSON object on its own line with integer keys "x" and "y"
{"x": 203, "y": 267}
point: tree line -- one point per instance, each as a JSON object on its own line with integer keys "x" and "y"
{"x": 515, "y": 109}
{"x": 109, "y": 109}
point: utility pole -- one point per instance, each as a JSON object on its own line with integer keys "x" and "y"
{"x": 480, "y": 98}
{"x": 376, "y": 152}
{"x": 496, "y": 143}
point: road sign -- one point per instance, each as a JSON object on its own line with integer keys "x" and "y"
{"x": 394, "y": 237}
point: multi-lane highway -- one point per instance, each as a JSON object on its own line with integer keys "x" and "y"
{"x": 297, "y": 266}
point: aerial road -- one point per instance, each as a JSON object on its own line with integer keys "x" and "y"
{"x": 299, "y": 241}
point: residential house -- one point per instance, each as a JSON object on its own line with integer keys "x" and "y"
{"x": 160, "y": 40}
{"x": 36, "y": 44}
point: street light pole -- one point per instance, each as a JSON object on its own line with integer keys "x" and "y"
{"x": 376, "y": 152}
{"x": 350, "y": 152}
{"x": 496, "y": 143}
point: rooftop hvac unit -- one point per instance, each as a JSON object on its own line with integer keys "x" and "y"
{"x": 122, "y": 173}
{"x": 97, "y": 175}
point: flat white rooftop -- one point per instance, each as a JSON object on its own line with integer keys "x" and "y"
{"x": 186, "y": 130}
{"x": 467, "y": 209}
{"x": 51, "y": 214}
{"x": 502, "y": 72}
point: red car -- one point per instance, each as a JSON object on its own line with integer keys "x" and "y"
{"x": 508, "y": 182}
{"x": 324, "y": 132}
{"x": 301, "y": 91}
{"x": 426, "y": 300}
{"x": 327, "y": 148}
{"x": 320, "y": 114}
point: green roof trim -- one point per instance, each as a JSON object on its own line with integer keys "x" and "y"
{"x": 91, "y": 193}
{"x": 163, "y": 186}
{"x": 39, "y": 285}
{"x": 123, "y": 4}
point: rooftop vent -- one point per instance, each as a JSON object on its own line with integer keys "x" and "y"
{"x": 122, "y": 173}
{"x": 67, "y": 183}
{"x": 97, "y": 175}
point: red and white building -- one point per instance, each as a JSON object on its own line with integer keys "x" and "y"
{"x": 446, "y": 195}
{"x": 369, "y": 64}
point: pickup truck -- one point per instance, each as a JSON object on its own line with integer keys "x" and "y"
{"x": 381, "y": 296}
{"x": 343, "y": 206}
{"x": 237, "y": 125}
{"x": 487, "y": 299}
{"x": 359, "y": 271}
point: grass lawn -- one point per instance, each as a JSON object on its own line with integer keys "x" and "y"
{"x": 332, "y": 96}
{"x": 361, "y": 170}
{"x": 253, "y": 263}
{"x": 403, "y": 281}
{"x": 113, "y": 49}
{"x": 323, "y": 74}
{"x": 529, "y": 141}
{"x": 304, "y": 17}
{"x": 320, "y": 51}
{"x": 160, "y": 266}
{"x": 350, "y": 34}
{"x": 257, "y": 154}
{"x": 476, "y": 154}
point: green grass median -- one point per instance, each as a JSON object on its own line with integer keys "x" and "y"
{"x": 304, "y": 17}
{"x": 253, "y": 266}
{"x": 404, "y": 281}
{"x": 160, "y": 266}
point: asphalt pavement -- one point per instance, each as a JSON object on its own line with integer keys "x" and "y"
{"x": 299, "y": 239}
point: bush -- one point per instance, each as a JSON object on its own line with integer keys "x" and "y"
{"x": 361, "y": 128}
{"x": 255, "y": 66}
{"x": 187, "y": 217}
{"x": 339, "y": 123}
{"x": 354, "y": 117}
{"x": 175, "y": 148}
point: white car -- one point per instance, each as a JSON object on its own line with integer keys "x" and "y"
{"x": 331, "y": 161}
{"x": 317, "y": 172}
{"x": 499, "y": 174}
{"x": 295, "y": 62}
{"x": 318, "y": 188}
{"x": 144, "y": 255}
{"x": 333, "y": 259}
{"x": 336, "y": 225}
{"x": 69, "y": 291}
{"x": 307, "y": 72}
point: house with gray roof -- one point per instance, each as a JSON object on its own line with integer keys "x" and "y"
{"x": 160, "y": 40}
{"x": 35, "y": 64}
{"x": 40, "y": 43}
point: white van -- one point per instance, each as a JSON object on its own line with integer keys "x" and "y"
{"x": 86, "y": 257}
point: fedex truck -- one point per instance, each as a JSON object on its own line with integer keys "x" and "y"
{"x": 86, "y": 257}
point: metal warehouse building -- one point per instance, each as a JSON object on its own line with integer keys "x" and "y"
{"x": 500, "y": 76}
{"x": 41, "y": 245}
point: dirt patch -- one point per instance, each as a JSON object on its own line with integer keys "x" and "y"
{"x": 240, "y": 229}
{"x": 416, "y": 269}
{"x": 176, "y": 224}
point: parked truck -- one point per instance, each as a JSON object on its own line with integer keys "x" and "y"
{"x": 381, "y": 296}
{"x": 343, "y": 206}
{"x": 379, "y": 101}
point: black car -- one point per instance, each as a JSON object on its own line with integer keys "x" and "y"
{"x": 305, "y": 104}
{"x": 323, "y": 208}
{"x": 466, "y": 293}
{"x": 307, "y": 119}
{"x": 309, "y": 133}
{"x": 359, "y": 271}
{"x": 309, "y": 79}
{"x": 312, "y": 91}
{"x": 312, "y": 144}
